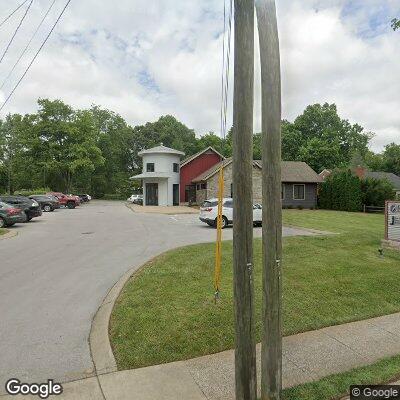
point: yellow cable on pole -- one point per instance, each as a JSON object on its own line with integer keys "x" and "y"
{"x": 218, "y": 247}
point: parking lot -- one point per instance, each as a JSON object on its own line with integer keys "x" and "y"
{"x": 55, "y": 273}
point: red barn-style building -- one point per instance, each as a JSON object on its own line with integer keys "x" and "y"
{"x": 194, "y": 166}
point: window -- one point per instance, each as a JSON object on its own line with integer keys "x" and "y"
{"x": 203, "y": 186}
{"x": 231, "y": 190}
{"x": 282, "y": 191}
{"x": 176, "y": 167}
{"x": 299, "y": 192}
{"x": 150, "y": 167}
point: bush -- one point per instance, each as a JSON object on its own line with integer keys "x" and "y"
{"x": 377, "y": 191}
{"x": 341, "y": 191}
{"x": 113, "y": 196}
{"x": 30, "y": 192}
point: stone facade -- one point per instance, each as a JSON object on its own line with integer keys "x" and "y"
{"x": 211, "y": 191}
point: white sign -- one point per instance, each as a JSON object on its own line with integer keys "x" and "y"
{"x": 393, "y": 220}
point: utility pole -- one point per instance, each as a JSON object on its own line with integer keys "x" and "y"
{"x": 245, "y": 344}
{"x": 271, "y": 347}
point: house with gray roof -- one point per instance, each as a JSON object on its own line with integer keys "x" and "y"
{"x": 299, "y": 183}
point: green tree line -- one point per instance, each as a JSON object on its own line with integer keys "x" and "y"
{"x": 96, "y": 151}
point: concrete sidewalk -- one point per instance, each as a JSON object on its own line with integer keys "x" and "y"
{"x": 307, "y": 357}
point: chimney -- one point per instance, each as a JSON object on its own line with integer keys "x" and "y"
{"x": 360, "y": 171}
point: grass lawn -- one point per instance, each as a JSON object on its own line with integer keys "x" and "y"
{"x": 334, "y": 386}
{"x": 3, "y": 231}
{"x": 166, "y": 312}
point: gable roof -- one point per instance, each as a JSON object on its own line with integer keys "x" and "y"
{"x": 191, "y": 158}
{"x": 161, "y": 149}
{"x": 394, "y": 179}
{"x": 299, "y": 171}
{"x": 292, "y": 171}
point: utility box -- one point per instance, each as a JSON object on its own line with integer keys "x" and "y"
{"x": 392, "y": 224}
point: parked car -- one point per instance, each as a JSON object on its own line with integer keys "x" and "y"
{"x": 84, "y": 198}
{"x": 136, "y": 199}
{"x": 209, "y": 212}
{"x": 30, "y": 207}
{"x": 10, "y": 215}
{"x": 47, "y": 203}
{"x": 65, "y": 200}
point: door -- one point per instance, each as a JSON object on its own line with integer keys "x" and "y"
{"x": 175, "y": 197}
{"x": 151, "y": 194}
{"x": 190, "y": 193}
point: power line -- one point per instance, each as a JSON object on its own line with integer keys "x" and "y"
{"x": 7, "y": 18}
{"x": 16, "y": 31}
{"x": 27, "y": 46}
{"x": 35, "y": 56}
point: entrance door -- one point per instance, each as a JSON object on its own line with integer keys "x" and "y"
{"x": 175, "y": 197}
{"x": 151, "y": 194}
{"x": 190, "y": 193}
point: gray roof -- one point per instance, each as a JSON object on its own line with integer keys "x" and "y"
{"x": 292, "y": 171}
{"x": 161, "y": 149}
{"x": 394, "y": 179}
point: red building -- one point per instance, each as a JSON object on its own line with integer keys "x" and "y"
{"x": 194, "y": 166}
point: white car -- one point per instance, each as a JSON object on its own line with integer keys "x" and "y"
{"x": 136, "y": 198}
{"x": 209, "y": 212}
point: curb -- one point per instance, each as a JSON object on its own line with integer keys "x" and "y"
{"x": 99, "y": 340}
{"x": 9, "y": 235}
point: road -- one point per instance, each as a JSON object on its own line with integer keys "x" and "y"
{"x": 55, "y": 273}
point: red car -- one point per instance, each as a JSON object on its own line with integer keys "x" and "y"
{"x": 65, "y": 200}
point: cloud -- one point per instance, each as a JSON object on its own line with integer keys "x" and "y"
{"x": 146, "y": 59}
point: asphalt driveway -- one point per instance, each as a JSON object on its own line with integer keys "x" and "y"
{"x": 56, "y": 272}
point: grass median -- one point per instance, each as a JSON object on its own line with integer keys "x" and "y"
{"x": 3, "y": 231}
{"x": 166, "y": 312}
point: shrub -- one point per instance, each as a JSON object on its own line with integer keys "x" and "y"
{"x": 30, "y": 192}
{"x": 377, "y": 191}
{"x": 341, "y": 191}
{"x": 113, "y": 196}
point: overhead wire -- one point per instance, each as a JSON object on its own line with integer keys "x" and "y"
{"x": 27, "y": 46}
{"x": 12, "y": 13}
{"x": 226, "y": 46}
{"x": 16, "y": 31}
{"x": 35, "y": 56}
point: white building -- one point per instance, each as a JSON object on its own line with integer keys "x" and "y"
{"x": 160, "y": 176}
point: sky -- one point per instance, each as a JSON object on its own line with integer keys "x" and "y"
{"x": 147, "y": 59}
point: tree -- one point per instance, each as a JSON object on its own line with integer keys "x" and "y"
{"x": 319, "y": 129}
{"x": 374, "y": 161}
{"x": 64, "y": 144}
{"x": 391, "y": 158}
{"x": 320, "y": 154}
{"x": 211, "y": 139}
{"x": 168, "y": 131}
{"x": 395, "y": 24}
{"x": 376, "y": 191}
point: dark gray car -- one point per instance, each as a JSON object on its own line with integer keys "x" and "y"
{"x": 10, "y": 215}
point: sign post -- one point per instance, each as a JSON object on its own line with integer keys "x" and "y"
{"x": 392, "y": 224}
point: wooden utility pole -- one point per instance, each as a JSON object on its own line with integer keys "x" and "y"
{"x": 271, "y": 349}
{"x": 245, "y": 345}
